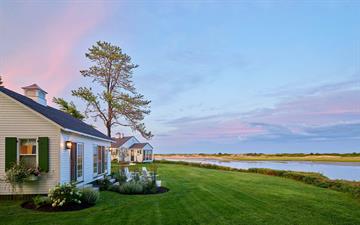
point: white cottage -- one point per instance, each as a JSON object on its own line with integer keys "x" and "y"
{"x": 64, "y": 148}
{"x": 129, "y": 149}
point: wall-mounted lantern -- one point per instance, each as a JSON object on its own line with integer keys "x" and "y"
{"x": 68, "y": 144}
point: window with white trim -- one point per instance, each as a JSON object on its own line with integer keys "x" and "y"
{"x": 95, "y": 160}
{"x": 100, "y": 160}
{"x": 80, "y": 162}
{"x": 28, "y": 152}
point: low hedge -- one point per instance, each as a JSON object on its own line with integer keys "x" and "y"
{"x": 315, "y": 179}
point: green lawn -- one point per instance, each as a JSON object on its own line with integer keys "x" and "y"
{"x": 205, "y": 196}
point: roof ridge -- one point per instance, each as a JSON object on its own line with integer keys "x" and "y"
{"x": 57, "y": 116}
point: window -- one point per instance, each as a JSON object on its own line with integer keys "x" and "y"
{"x": 100, "y": 160}
{"x": 106, "y": 153}
{"x": 28, "y": 152}
{"x": 95, "y": 159}
{"x": 79, "y": 162}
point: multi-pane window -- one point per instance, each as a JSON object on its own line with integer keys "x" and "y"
{"x": 100, "y": 160}
{"x": 28, "y": 152}
{"x": 79, "y": 161}
{"x": 147, "y": 154}
{"x": 95, "y": 160}
{"x": 106, "y": 153}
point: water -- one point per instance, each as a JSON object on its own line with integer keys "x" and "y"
{"x": 333, "y": 170}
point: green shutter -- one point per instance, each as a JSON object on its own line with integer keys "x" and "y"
{"x": 10, "y": 152}
{"x": 44, "y": 154}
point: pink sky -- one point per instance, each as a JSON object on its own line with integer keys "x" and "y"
{"x": 47, "y": 56}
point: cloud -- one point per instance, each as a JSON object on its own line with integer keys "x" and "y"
{"x": 47, "y": 52}
{"x": 329, "y": 114}
{"x": 289, "y": 91}
{"x": 341, "y": 131}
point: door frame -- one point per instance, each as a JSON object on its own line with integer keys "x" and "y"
{"x": 74, "y": 162}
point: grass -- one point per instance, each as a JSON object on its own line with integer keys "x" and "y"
{"x": 350, "y": 157}
{"x": 316, "y": 179}
{"x": 205, "y": 196}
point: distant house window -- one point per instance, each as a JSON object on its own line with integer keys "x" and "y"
{"x": 28, "y": 152}
{"x": 80, "y": 161}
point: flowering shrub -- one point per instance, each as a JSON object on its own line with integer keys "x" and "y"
{"x": 17, "y": 173}
{"x": 63, "y": 194}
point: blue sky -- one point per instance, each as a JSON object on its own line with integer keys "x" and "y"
{"x": 227, "y": 76}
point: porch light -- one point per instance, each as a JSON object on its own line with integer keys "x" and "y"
{"x": 68, "y": 144}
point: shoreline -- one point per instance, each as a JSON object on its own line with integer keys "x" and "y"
{"x": 238, "y": 157}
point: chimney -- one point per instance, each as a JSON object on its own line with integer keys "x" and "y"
{"x": 35, "y": 93}
{"x": 120, "y": 135}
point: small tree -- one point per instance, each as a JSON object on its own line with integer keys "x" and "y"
{"x": 69, "y": 108}
{"x": 1, "y": 82}
{"x": 118, "y": 103}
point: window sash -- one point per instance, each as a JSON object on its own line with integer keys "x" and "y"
{"x": 95, "y": 160}
{"x": 21, "y": 156}
{"x": 100, "y": 159}
{"x": 80, "y": 162}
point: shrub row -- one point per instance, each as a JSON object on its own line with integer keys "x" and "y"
{"x": 315, "y": 179}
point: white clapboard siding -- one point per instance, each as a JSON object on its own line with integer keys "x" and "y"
{"x": 88, "y": 163}
{"x": 16, "y": 120}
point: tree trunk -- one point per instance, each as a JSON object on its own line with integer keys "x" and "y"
{"x": 108, "y": 127}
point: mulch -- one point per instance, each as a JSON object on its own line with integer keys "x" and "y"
{"x": 160, "y": 190}
{"x": 49, "y": 208}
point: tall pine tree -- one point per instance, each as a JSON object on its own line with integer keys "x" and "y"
{"x": 118, "y": 103}
{"x": 68, "y": 107}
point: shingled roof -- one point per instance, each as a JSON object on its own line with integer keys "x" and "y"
{"x": 120, "y": 141}
{"x": 139, "y": 145}
{"x": 63, "y": 119}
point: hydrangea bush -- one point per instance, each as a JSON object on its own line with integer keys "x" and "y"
{"x": 63, "y": 194}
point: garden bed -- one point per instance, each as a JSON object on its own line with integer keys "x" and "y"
{"x": 49, "y": 208}
{"x": 160, "y": 190}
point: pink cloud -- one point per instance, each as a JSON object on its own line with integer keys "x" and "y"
{"x": 290, "y": 119}
{"x": 47, "y": 56}
{"x": 313, "y": 110}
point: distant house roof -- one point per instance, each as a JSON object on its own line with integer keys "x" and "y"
{"x": 63, "y": 119}
{"x": 120, "y": 141}
{"x": 139, "y": 145}
{"x": 33, "y": 86}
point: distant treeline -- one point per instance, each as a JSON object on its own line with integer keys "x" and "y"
{"x": 277, "y": 154}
